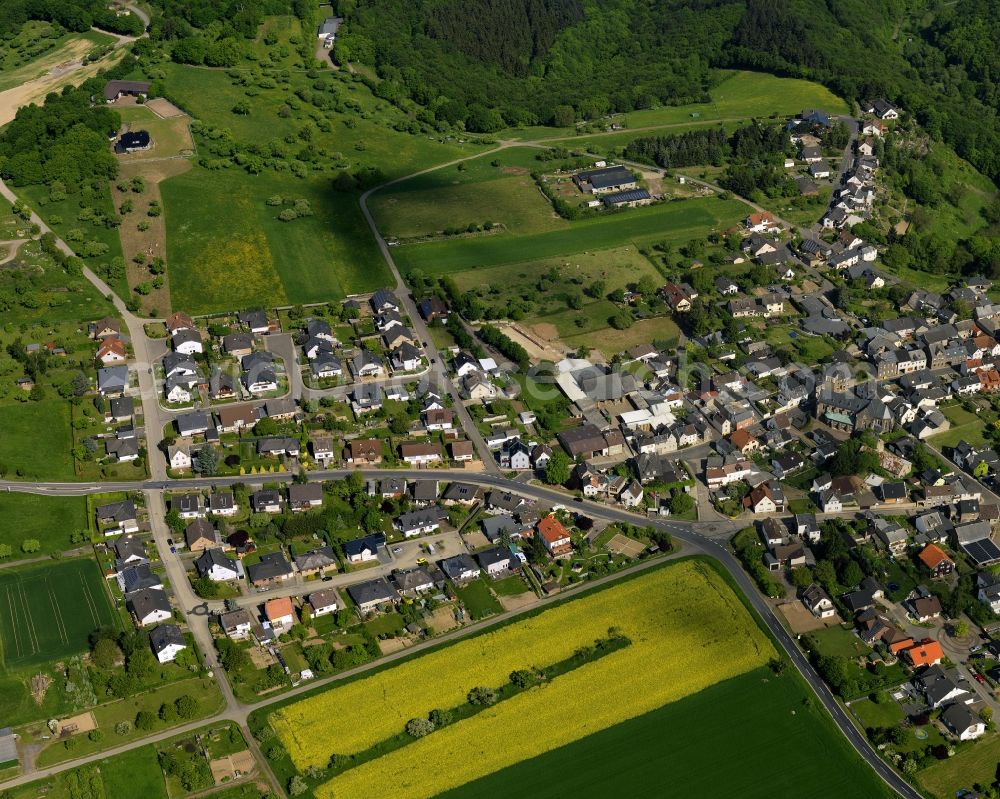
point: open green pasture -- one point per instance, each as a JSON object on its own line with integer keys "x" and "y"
{"x": 674, "y": 221}
{"x": 712, "y": 743}
{"x": 47, "y": 612}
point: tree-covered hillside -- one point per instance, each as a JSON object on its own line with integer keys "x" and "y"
{"x": 491, "y": 63}
{"x": 74, "y": 15}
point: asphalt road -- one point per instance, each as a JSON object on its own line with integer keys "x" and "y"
{"x": 707, "y": 538}
{"x": 701, "y": 538}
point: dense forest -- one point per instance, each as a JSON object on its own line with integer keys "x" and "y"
{"x": 74, "y": 15}
{"x": 489, "y": 63}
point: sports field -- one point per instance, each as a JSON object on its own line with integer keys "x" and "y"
{"x": 47, "y": 612}
{"x": 671, "y": 221}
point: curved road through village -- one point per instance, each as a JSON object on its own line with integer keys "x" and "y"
{"x": 705, "y": 538}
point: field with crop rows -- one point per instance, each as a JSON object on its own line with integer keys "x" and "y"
{"x": 688, "y": 630}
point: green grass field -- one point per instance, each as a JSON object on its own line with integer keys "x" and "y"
{"x": 52, "y": 49}
{"x": 978, "y": 763}
{"x": 477, "y": 599}
{"x": 135, "y": 773}
{"x": 965, "y": 426}
{"x": 739, "y": 95}
{"x": 33, "y": 427}
{"x": 673, "y": 221}
{"x": 712, "y": 744}
{"x": 50, "y": 520}
{"x": 219, "y": 226}
{"x": 169, "y": 136}
{"x": 47, "y": 612}
{"x": 480, "y": 192}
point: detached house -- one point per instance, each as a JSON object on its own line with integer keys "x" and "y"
{"x": 555, "y": 537}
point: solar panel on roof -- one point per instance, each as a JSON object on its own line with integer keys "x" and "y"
{"x": 982, "y": 551}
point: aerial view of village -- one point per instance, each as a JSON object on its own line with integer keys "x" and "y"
{"x": 470, "y": 398}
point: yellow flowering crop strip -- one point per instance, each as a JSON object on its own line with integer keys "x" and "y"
{"x": 688, "y": 631}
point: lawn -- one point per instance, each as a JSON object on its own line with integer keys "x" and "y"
{"x": 873, "y": 714}
{"x": 478, "y": 600}
{"x": 169, "y": 137}
{"x": 59, "y": 297}
{"x": 964, "y": 426}
{"x": 135, "y": 773}
{"x": 610, "y": 341}
{"x": 710, "y": 744}
{"x": 670, "y": 221}
{"x": 48, "y": 520}
{"x": 838, "y": 641}
{"x": 203, "y": 689}
{"x": 738, "y": 95}
{"x": 47, "y": 612}
{"x": 510, "y": 586}
{"x": 977, "y": 763}
{"x": 33, "y": 427}
{"x": 219, "y": 225}
{"x": 479, "y": 192}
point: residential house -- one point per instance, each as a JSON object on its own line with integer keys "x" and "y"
{"x": 316, "y": 561}
{"x": 222, "y": 503}
{"x": 324, "y": 602}
{"x": 554, "y": 536}
{"x": 961, "y": 722}
{"x": 936, "y": 560}
{"x": 420, "y": 522}
{"x": 373, "y": 594}
{"x": 267, "y": 500}
{"x": 201, "y": 535}
{"x": 167, "y": 642}
{"x": 459, "y": 568}
{"x": 364, "y": 451}
{"x": 305, "y": 496}
{"x": 236, "y": 624}
{"x": 927, "y": 653}
{"x": 418, "y": 454}
{"x": 280, "y": 613}
{"x": 111, "y": 351}
{"x": 149, "y": 606}
{"x": 216, "y": 566}
{"x": 412, "y": 582}
{"x": 364, "y": 550}
{"x": 273, "y": 568}
{"x": 495, "y": 561}
{"x": 818, "y": 601}
{"x": 112, "y": 381}
{"x": 925, "y": 608}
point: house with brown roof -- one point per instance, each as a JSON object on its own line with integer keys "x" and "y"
{"x": 555, "y": 537}
{"x": 364, "y": 451}
{"x": 177, "y": 322}
{"x": 744, "y": 442}
{"x": 420, "y": 454}
{"x": 233, "y": 418}
{"x": 280, "y": 612}
{"x": 108, "y": 326}
{"x": 111, "y": 351}
{"x": 925, "y": 608}
{"x": 201, "y": 535}
{"x": 676, "y": 297}
{"x": 462, "y": 450}
{"x": 936, "y": 560}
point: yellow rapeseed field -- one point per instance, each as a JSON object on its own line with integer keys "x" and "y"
{"x": 688, "y": 631}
